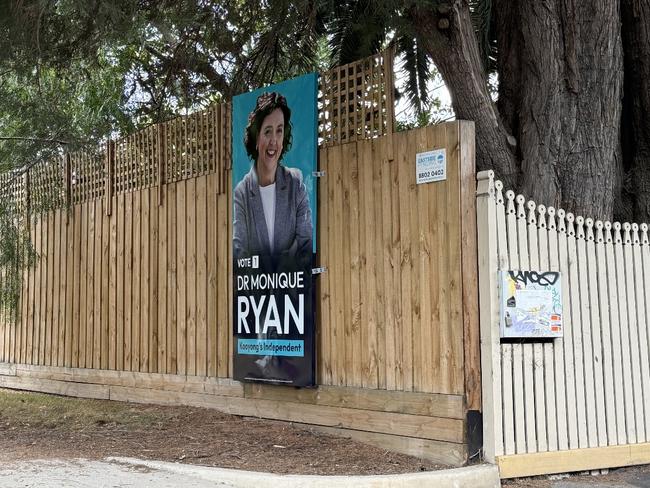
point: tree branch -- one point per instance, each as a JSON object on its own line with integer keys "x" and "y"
{"x": 455, "y": 53}
{"x": 34, "y": 139}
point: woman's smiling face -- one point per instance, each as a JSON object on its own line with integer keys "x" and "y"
{"x": 270, "y": 141}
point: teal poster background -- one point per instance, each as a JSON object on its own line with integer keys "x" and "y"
{"x": 301, "y": 96}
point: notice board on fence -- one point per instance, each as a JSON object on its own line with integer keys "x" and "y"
{"x": 531, "y": 304}
{"x": 274, "y": 242}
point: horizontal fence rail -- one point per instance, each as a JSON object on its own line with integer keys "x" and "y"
{"x": 591, "y": 388}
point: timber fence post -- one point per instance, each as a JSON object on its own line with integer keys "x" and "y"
{"x": 162, "y": 160}
{"x": 110, "y": 170}
{"x": 489, "y": 313}
{"x": 27, "y": 194}
{"x": 68, "y": 186}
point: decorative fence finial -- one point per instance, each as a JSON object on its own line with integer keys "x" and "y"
{"x": 561, "y": 215}
{"x": 541, "y": 219}
{"x": 521, "y": 212}
{"x": 635, "y": 234}
{"x": 617, "y": 233}
{"x": 485, "y": 182}
{"x": 531, "y": 212}
{"x": 608, "y": 233}
{"x": 570, "y": 228}
{"x": 510, "y": 196}
{"x": 551, "y": 218}
{"x": 599, "y": 232}
{"x": 589, "y": 222}
{"x": 580, "y": 222}
{"x": 498, "y": 185}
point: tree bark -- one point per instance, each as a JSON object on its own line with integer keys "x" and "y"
{"x": 561, "y": 80}
{"x": 509, "y": 41}
{"x": 636, "y": 106}
{"x": 562, "y": 77}
{"x": 454, "y": 50}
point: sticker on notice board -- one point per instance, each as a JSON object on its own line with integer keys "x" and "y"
{"x": 431, "y": 166}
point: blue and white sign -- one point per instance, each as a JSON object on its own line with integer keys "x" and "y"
{"x": 431, "y": 166}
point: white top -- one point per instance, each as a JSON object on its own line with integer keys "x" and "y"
{"x": 268, "y": 204}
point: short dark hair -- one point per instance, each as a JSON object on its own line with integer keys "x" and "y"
{"x": 266, "y": 103}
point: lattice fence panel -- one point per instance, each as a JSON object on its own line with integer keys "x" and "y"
{"x": 224, "y": 138}
{"x": 197, "y": 144}
{"x": 136, "y": 160}
{"x": 356, "y": 100}
{"x": 87, "y": 176}
{"x": 175, "y": 133}
{"x": 47, "y": 185}
{"x": 13, "y": 191}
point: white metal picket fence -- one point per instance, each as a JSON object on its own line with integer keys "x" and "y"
{"x": 583, "y": 401}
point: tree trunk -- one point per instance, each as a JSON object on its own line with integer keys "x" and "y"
{"x": 561, "y": 73}
{"x": 509, "y": 41}
{"x": 448, "y": 37}
{"x": 636, "y": 106}
{"x": 561, "y": 81}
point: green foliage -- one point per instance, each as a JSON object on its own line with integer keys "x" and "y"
{"x": 481, "y": 11}
{"x": 288, "y": 43}
{"x": 16, "y": 254}
{"x": 357, "y": 28}
{"x": 74, "y": 73}
{"x": 80, "y": 71}
{"x": 418, "y": 70}
{"x": 434, "y": 113}
{"x": 44, "y": 112}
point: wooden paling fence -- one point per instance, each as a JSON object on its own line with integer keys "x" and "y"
{"x": 136, "y": 305}
{"x": 135, "y": 235}
{"x": 125, "y": 272}
{"x": 396, "y": 292}
{"x": 140, "y": 282}
{"x": 583, "y": 401}
{"x": 130, "y": 298}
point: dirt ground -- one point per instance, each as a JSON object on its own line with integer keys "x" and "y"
{"x": 39, "y": 426}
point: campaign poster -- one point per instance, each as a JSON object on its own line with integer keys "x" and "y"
{"x": 274, "y": 150}
{"x": 531, "y": 304}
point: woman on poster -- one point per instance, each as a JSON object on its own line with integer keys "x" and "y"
{"x": 272, "y": 216}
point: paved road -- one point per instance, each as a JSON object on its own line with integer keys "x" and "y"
{"x": 93, "y": 474}
{"x": 129, "y": 472}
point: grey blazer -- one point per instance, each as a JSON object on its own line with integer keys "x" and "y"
{"x": 293, "y": 225}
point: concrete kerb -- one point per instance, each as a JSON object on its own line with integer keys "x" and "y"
{"x": 479, "y": 476}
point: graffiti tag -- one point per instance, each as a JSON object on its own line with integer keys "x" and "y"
{"x": 547, "y": 278}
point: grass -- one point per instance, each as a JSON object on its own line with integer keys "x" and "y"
{"x": 37, "y": 410}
